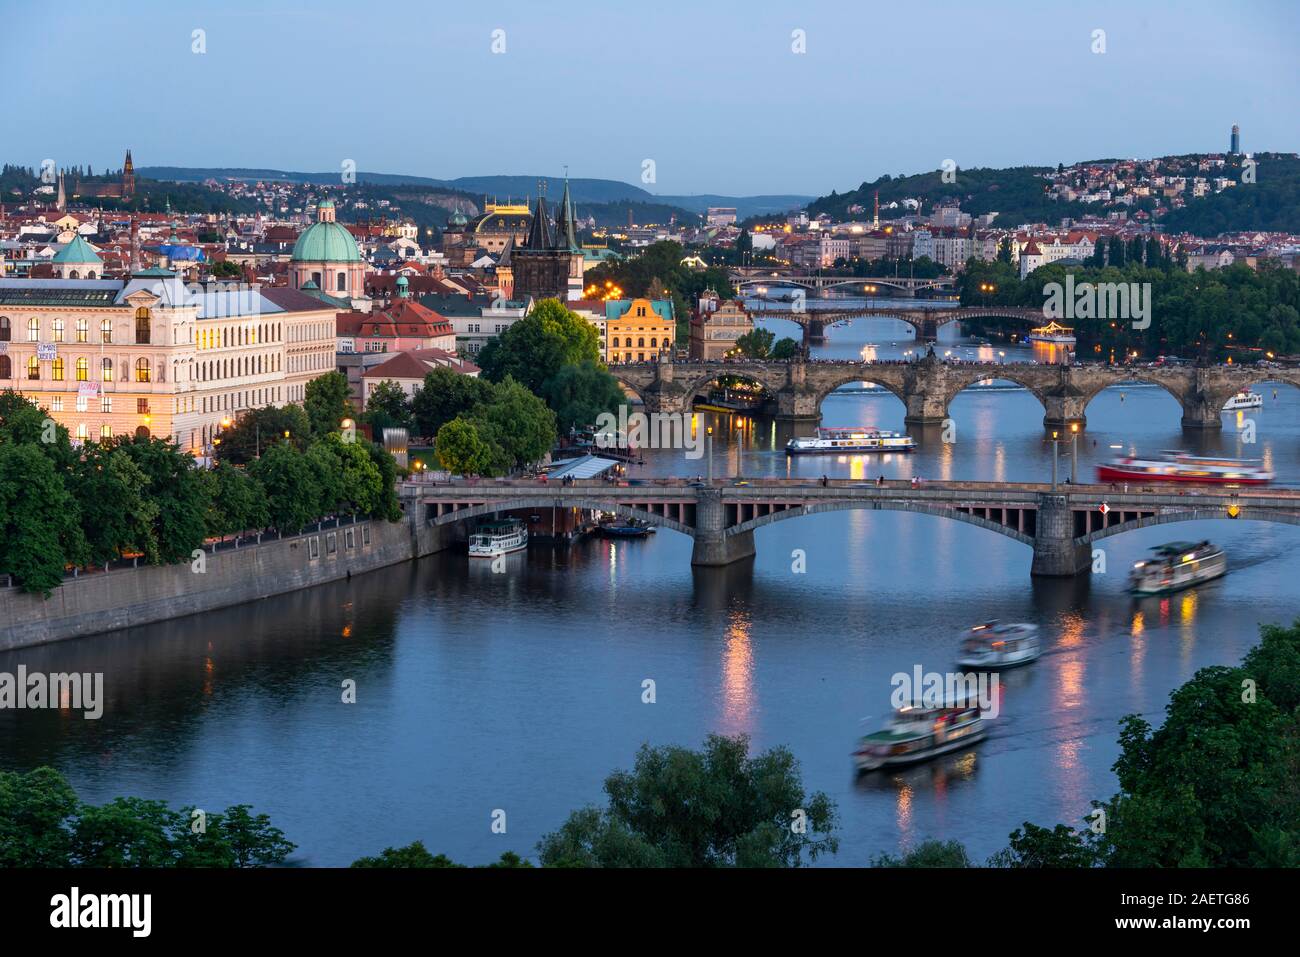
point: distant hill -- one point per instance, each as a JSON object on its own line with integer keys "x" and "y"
{"x": 500, "y": 187}
{"x": 1270, "y": 204}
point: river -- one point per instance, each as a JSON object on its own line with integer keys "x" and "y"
{"x": 479, "y": 692}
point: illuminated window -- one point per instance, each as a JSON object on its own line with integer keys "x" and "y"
{"x": 106, "y": 330}
{"x": 142, "y": 370}
{"x": 106, "y": 370}
{"x": 56, "y": 369}
{"x": 105, "y": 431}
{"x": 33, "y": 330}
{"x": 33, "y": 367}
{"x": 81, "y": 431}
{"x": 105, "y": 404}
{"x": 58, "y": 330}
{"x": 83, "y": 329}
{"x": 56, "y": 403}
{"x": 142, "y": 328}
{"x": 83, "y": 369}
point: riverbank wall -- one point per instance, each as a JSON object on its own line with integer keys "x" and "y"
{"x": 103, "y": 601}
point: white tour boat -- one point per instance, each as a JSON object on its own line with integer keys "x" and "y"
{"x": 993, "y": 645}
{"x": 498, "y": 538}
{"x": 1244, "y": 400}
{"x": 1177, "y": 565}
{"x": 1053, "y": 333}
{"x": 832, "y": 441}
{"x": 917, "y": 734}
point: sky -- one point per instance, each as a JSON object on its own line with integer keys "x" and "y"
{"x": 713, "y": 92}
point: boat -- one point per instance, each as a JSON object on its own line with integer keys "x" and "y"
{"x": 1176, "y": 466}
{"x": 630, "y": 529}
{"x": 837, "y": 440}
{"x": 1244, "y": 400}
{"x": 993, "y": 645}
{"x": 1053, "y": 333}
{"x": 1177, "y": 565}
{"x": 918, "y": 734}
{"x": 498, "y": 538}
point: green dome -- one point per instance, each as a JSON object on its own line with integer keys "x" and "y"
{"x": 78, "y": 251}
{"x": 326, "y": 242}
{"x": 457, "y": 219}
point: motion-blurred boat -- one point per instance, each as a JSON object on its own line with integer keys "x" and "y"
{"x": 993, "y": 645}
{"x": 1177, "y": 565}
{"x": 1177, "y": 466}
{"x": 917, "y": 734}
{"x": 1244, "y": 400}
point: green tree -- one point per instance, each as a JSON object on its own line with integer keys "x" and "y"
{"x": 928, "y": 854}
{"x": 579, "y": 393}
{"x": 258, "y": 429}
{"x": 1033, "y": 846}
{"x": 717, "y": 807}
{"x": 40, "y": 528}
{"x": 33, "y": 808}
{"x": 460, "y": 448}
{"x": 756, "y": 344}
{"x": 238, "y": 501}
{"x": 444, "y": 395}
{"x": 413, "y": 855}
{"x": 126, "y": 832}
{"x": 326, "y": 403}
{"x": 387, "y": 408}
{"x": 25, "y": 424}
{"x": 117, "y": 512}
{"x": 518, "y": 424}
{"x": 292, "y": 492}
{"x": 178, "y": 490}
{"x": 536, "y": 347}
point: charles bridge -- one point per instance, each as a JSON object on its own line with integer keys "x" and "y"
{"x": 1061, "y": 523}
{"x": 928, "y": 385}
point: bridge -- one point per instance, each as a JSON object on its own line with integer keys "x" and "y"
{"x": 926, "y": 322}
{"x": 927, "y": 386}
{"x": 1060, "y": 524}
{"x": 759, "y": 276}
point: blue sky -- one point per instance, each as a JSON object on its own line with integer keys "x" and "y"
{"x": 710, "y": 90}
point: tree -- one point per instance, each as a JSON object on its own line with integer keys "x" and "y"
{"x": 177, "y": 489}
{"x": 413, "y": 855}
{"x": 387, "y": 408}
{"x": 579, "y": 393}
{"x": 40, "y": 529}
{"x": 238, "y": 501}
{"x": 1035, "y": 846}
{"x": 291, "y": 489}
{"x": 712, "y": 808}
{"x": 784, "y": 349}
{"x": 518, "y": 424}
{"x": 461, "y": 450}
{"x": 326, "y": 403}
{"x": 757, "y": 343}
{"x": 23, "y": 423}
{"x": 444, "y": 395}
{"x": 536, "y": 347}
{"x": 928, "y": 854}
{"x": 258, "y": 429}
{"x": 117, "y": 513}
{"x": 360, "y": 483}
{"x": 33, "y": 808}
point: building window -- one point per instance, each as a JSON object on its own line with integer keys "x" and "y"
{"x": 142, "y": 329}
{"x": 81, "y": 403}
{"x": 343, "y": 282}
{"x": 5, "y": 331}
{"x": 142, "y": 406}
{"x": 83, "y": 369}
{"x": 105, "y": 431}
{"x": 641, "y": 342}
{"x": 142, "y": 370}
{"x": 58, "y": 330}
{"x": 6, "y": 367}
{"x": 33, "y": 330}
{"x": 106, "y": 330}
{"x": 56, "y": 369}
{"x": 56, "y": 403}
{"x": 106, "y": 370}
{"x": 33, "y": 368}
{"x": 83, "y": 329}
{"x": 81, "y": 432}
{"x": 105, "y": 403}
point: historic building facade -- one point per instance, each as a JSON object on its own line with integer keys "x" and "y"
{"x": 153, "y": 356}
{"x": 638, "y": 330}
{"x": 548, "y": 265}
{"x": 326, "y": 254}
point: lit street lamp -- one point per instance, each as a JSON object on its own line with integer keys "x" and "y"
{"x": 1056, "y": 447}
{"x": 708, "y": 439}
{"x": 1074, "y": 453}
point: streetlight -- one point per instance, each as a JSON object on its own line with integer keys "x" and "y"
{"x": 1056, "y": 447}
{"x": 1074, "y": 453}
{"x": 708, "y": 439}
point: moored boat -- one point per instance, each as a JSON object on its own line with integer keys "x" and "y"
{"x": 918, "y": 734}
{"x": 1181, "y": 467}
{"x": 1244, "y": 400}
{"x": 840, "y": 440}
{"x": 492, "y": 539}
{"x": 1177, "y": 565}
{"x": 629, "y": 529}
{"x": 993, "y": 645}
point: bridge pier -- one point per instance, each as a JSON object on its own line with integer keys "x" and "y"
{"x": 1202, "y": 411}
{"x": 713, "y": 546}
{"x": 925, "y": 408}
{"x": 797, "y": 405}
{"x": 814, "y": 331}
{"x": 1063, "y": 411}
{"x": 1055, "y": 553}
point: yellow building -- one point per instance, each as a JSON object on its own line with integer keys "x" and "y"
{"x": 638, "y": 330}
{"x": 155, "y": 356}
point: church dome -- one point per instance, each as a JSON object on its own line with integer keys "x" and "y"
{"x": 326, "y": 242}
{"x": 457, "y": 220}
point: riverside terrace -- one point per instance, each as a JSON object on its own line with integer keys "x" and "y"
{"x": 927, "y": 386}
{"x": 1060, "y": 524}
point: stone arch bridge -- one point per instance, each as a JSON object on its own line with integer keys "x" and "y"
{"x": 925, "y": 321}
{"x": 927, "y": 386}
{"x": 1060, "y": 524}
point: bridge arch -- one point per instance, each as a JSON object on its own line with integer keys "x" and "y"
{"x": 1026, "y": 377}
{"x": 1190, "y": 515}
{"x": 827, "y": 385}
{"x": 1147, "y": 376}
{"x": 535, "y": 504}
{"x": 919, "y": 507}
{"x": 772, "y": 382}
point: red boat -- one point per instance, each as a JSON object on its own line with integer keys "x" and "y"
{"x": 1181, "y": 467}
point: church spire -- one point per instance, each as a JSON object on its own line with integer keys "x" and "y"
{"x": 566, "y": 232}
{"x": 539, "y": 230}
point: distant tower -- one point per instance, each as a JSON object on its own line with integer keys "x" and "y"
{"x": 1236, "y": 140}
{"x": 875, "y": 217}
{"x": 135, "y": 245}
{"x": 128, "y": 177}
{"x": 61, "y": 203}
